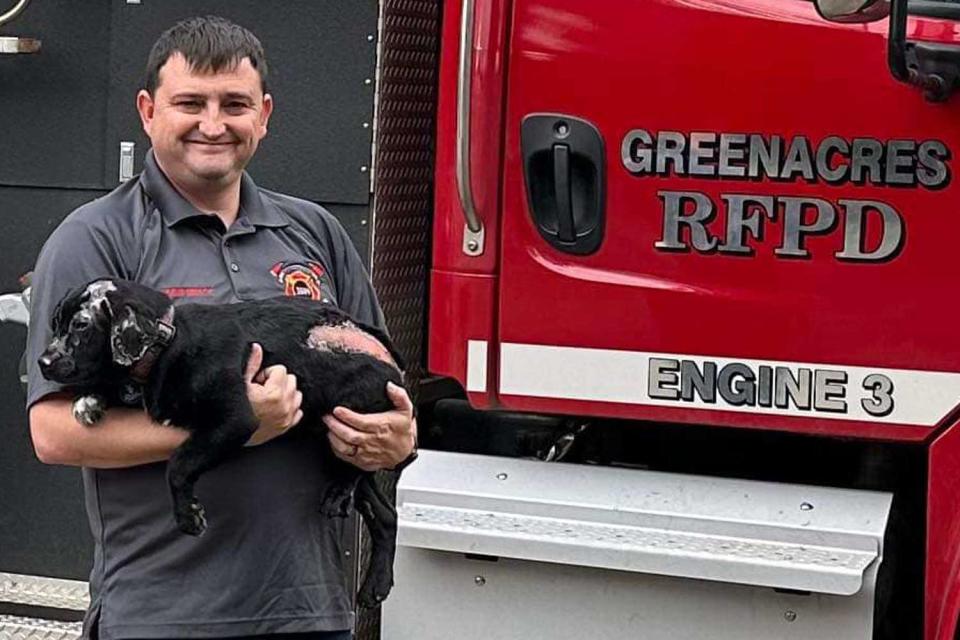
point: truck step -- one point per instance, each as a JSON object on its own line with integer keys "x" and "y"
{"x": 41, "y": 591}
{"x": 824, "y": 569}
{"x": 15, "y": 628}
{"x": 793, "y": 537}
{"x": 569, "y": 551}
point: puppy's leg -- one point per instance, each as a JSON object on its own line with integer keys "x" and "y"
{"x": 201, "y": 452}
{"x": 338, "y": 498}
{"x": 89, "y": 409}
{"x": 381, "y": 519}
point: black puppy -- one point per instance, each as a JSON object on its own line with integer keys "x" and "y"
{"x": 117, "y": 342}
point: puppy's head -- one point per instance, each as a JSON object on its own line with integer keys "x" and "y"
{"x": 101, "y": 326}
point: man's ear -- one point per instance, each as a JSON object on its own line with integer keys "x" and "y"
{"x": 145, "y": 107}
{"x": 128, "y": 342}
{"x": 265, "y": 114}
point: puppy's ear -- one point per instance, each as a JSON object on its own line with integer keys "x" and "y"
{"x": 98, "y": 294}
{"x": 128, "y": 339}
{"x": 102, "y": 308}
{"x": 55, "y": 318}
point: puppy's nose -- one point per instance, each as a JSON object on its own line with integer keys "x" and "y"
{"x": 53, "y": 362}
{"x": 47, "y": 360}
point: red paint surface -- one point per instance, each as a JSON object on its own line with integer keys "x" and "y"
{"x": 943, "y": 531}
{"x": 734, "y": 66}
{"x": 655, "y": 65}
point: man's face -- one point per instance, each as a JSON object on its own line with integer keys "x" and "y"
{"x": 205, "y": 126}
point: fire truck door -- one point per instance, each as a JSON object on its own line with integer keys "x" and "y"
{"x": 717, "y": 208}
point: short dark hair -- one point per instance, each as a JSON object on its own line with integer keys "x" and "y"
{"x": 209, "y": 43}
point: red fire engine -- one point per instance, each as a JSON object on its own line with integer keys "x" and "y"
{"x": 711, "y": 237}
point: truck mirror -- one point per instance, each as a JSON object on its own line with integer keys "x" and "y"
{"x": 853, "y": 10}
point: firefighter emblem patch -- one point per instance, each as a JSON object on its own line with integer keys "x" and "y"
{"x": 299, "y": 278}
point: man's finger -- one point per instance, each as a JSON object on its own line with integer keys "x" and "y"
{"x": 398, "y": 395}
{"x": 276, "y": 374}
{"x": 253, "y": 362}
{"x": 352, "y": 418}
{"x": 343, "y": 432}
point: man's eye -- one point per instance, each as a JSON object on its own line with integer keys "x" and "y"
{"x": 235, "y": 107}
{"x": 189, "y": 105}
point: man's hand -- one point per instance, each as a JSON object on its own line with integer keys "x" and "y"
{"x": 374, "y": 441}
{"x": 274, "y": 397}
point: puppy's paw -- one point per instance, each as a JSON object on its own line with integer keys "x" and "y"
{"x": 88, "y": 410}
{"x": 376, "y": 587}
{"x": 193, "y": 521}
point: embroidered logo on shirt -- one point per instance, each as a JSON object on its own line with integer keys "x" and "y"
{"x": 299, "y": 278}
{"x": 188, "y": 292}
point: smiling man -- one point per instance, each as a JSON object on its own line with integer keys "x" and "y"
{"x": 195, "y": 225}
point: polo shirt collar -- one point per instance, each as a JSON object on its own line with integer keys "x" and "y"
{"x": 175, "y": 208}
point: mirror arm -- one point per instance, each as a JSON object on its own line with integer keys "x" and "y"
{"x": 897, "y": 41}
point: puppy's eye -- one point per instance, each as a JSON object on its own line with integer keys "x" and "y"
{"x": 79, "y": 322}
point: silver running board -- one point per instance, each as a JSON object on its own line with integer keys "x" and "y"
{"x": 801, "y": 538}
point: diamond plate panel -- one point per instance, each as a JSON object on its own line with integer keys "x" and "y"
{"x": 403, "y": 178}
{"x": 39, "y": 591}
{"x": 14, "y": 628}
{"x": 403, "y": 193}
{"x": 606, "y": 543}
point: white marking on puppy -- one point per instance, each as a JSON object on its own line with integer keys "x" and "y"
{"x": 88, "y": 410}
{"x": 97, "y": 293}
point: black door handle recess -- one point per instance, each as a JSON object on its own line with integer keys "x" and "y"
{"x": 564, "y": 171}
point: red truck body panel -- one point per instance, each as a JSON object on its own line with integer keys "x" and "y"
{"x": 730, "y": 69}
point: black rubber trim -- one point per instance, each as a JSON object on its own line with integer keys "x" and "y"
{"x": 935, "y": 9}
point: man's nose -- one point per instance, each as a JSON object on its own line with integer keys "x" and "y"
{"x": 211, "y": 124}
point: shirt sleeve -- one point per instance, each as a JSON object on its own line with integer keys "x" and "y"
{"x": 75, "y": 254}
{"x": 351, "y": 282}
{"x": 354, "y": 288}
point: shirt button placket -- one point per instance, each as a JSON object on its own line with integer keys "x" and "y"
{"x": 232, "y": 265}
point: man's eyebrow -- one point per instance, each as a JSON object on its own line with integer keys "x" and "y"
{"x": 187, "y": 95}
{"x": 239, "y": 95}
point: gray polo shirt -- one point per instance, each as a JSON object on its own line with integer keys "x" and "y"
{"x": 268, "y": 563}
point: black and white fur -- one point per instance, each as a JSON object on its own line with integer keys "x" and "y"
{"x": 120, "y": 343}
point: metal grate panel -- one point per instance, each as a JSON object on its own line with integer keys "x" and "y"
{"x": 403, "y": 179}
{"x": 403, "y": 193}
{"x": 830, "y": 568}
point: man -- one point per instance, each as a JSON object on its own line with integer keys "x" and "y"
{"x": 195, "y": 225}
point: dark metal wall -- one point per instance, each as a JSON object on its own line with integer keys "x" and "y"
{"x": 63, "y": 113}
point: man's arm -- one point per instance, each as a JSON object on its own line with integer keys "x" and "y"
{"x": 128, "y": 437}
{"x": 376, "y": 440}
{"x": 123, "y": 438}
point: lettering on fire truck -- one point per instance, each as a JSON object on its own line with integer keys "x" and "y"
{"x": 828, "y": 391}
{"x": 834, "y": 160}
{"x": 741, "y": 385}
